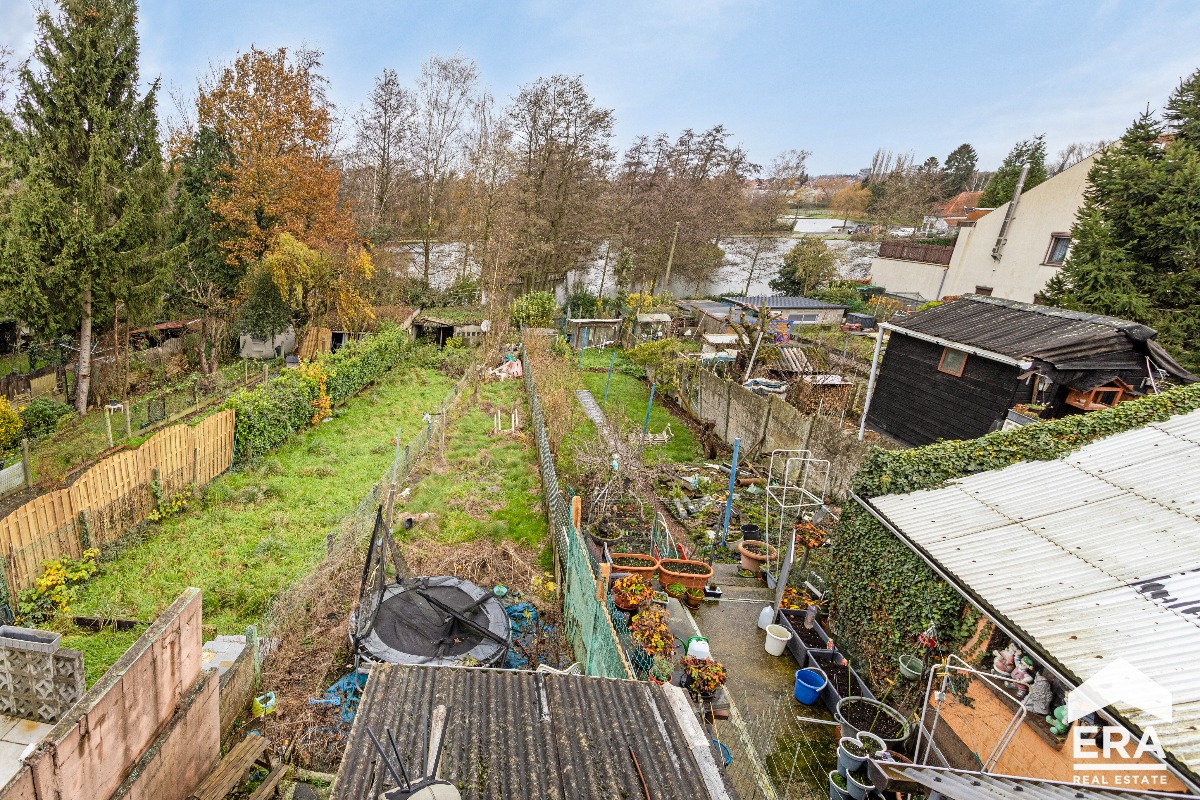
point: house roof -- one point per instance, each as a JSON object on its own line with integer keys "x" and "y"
{"x": 958, "y": 205}
{"x": 1089, "y": 557}
{"x": 962, "y": 785}
{"x": 654, "y": 317}
{"x": 780, "y": 303}
{"x": 596, "y": 321}
{"x": 1066, "y": 340}
{"x": 451, "y": 315}
{"x": 518, "y": 734}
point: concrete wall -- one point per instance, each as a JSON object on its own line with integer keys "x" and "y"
{"x": 1046, "y": 209}
{"x": 237, "y": 687}
{"x": 40, "y": 685}
{"x": 769, "y": 423}
{"x": 150, "y": 727}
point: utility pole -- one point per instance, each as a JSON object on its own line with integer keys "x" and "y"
{"x": 670, "y": 258}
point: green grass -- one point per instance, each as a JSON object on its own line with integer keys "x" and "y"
{"x": 630, "y": 396}
{"x": 602, "y": 358}
{"x": 257, "y": 531}
{"x": 489, "y": 487}
{"x": 100, "y": 650}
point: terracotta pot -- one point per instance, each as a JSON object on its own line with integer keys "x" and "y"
{"x": 753, "y": 560}
{"x": 676, "y": 594}
{"x": 648, "y": 567}
{"x": 689, "y": 580}
{"x": 693, "y": 601}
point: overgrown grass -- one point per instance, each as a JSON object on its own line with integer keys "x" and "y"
{"x": 488, "y": 487}
{"x": 603, "y": 358}
{"x": 257, "y": 531}
{"x": 630, "y": 396}
{"x": 101, "y": 649}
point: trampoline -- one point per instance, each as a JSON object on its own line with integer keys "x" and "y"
{"x": 434, "y": 621}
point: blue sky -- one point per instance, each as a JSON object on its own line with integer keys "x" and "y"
{"x": 837, "y": 77}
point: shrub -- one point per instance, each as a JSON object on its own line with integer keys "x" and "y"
{"x": 54, "y": 591}
{"x": 10, "y": 424}
{"x": 536, "y": 310}
{"x": 41, "y": 416}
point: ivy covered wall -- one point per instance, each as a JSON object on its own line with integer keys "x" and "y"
{"x": 883, "y": 595}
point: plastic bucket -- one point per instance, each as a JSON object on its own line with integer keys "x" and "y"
{"x": 911, "y": 667}
{"x": 751, "y": 533}
{"x": 726, "y": 756}
{"x": 836, "y": 793}
{"x": 848, "y": 761}
{"x": 809, "y": 683}
{"x": 697, "y": 647}
{"x": 777, "y": 639}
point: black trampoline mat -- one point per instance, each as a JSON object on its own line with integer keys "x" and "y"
{"x": 406, "y": 622}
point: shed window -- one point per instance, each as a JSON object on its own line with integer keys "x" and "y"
{"x": 983, "y": 291}
{"x": 953, "y": 362}
{"x": 1060, "y": 243}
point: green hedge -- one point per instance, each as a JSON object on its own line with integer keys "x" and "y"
{"x": 270, "y": 413}
{"x": 883, "y": 595}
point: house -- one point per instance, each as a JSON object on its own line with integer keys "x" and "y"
{"x": 946, "y": 217}
{"x": 953, "y": 371}
{"x": 799, "y": 310}
{"x": 1009, "y": 252}
{"x": 337, "y": 331}
{"x": 468, "y": 323}
{"x": 593, "y": 332}
{"x": 250, "y": 346}
{"x": 519, "y": 734}
{"x": 715, "y": 317}
{"x": 1090, "y": 564}
{"x": 651, "y": 325}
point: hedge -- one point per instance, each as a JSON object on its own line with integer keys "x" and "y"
{"x": 270, "y": 413}
{"x": 883, "y": 595}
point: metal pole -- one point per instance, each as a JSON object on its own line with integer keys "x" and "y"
{"x": 737, "y": 445}
{"x": 583, "y": 337}
{"x": 862, "y": 425}
{"x": 612, "y": 363}
{"x": 396, "y": 459}
{"x": 646, "y": 425}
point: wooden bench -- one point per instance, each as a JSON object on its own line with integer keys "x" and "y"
{"x": 233, "y": 769}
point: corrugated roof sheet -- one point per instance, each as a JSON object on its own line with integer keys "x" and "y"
{"x": 1091, "y": 556}
{"x": 959, "y": 785}
{"x": 780, "y": 303}
{"x": 514, "y": 734}
{"x": 1065, "y": 339}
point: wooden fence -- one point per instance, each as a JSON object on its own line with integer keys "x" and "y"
{"x": 112, "y": 496}
{"x": 39, "y": 383}
{"x": 911, "y": 251}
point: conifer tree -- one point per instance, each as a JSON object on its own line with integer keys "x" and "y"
{"x": 999, "y": 189}
{"x": 84, "y": 224}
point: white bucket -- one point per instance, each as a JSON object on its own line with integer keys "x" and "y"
{"x": 777, "y": 639}
{"x": 698, "y": 648}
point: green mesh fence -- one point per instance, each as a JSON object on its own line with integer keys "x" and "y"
{"x": 596, "y": 629}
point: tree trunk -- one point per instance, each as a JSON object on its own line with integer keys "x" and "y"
{"x": 203, "y": 345}
{"x": 753, "y": 263}
{"x": 83, "y": 375}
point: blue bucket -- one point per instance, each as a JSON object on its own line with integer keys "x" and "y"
{"x": 809, "y": 683}
{"x": 726, "y": 756}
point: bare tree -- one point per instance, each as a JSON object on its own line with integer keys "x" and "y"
{"x": 382, "y": 128}
{"x": 445, "y": 95}
{"x": 1073, "y": 153}
{"x": 486, "y": 189}
{"x": 770, "y": 202}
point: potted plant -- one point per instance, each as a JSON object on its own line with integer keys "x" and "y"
{"x": 649, "y": 629}
{"x": 631, "y": 591}
{"x": 635, "y": 564}
{"x": 858, "y": 784}
{"x": 661, "y": 669}
{"x": 693, "y": 597}
{"x": 856, "y": 714}
{"x": 755, "y": 554}
{"x": 837, "y": 786}
{"x": 732, "y": 539}
{"x": 702, "y": 676}
{"x": 675, "y": 589}
{"x": 684, "y": 571}
{"x": 851, "y": 754}
{"x": 604, "y": 535}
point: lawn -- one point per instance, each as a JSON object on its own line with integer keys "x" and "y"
{"x": 488, "y": 487}
{"x": 630, "y": 396}
{"x": 254, "y": 532}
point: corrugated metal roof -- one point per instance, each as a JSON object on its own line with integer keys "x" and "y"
{"x": 780, "y": 303}
{"x": 1091, "y": 556}
{"x": 1065, "y": 339}
{"x": 960, "y": 785}
{"x": 514, "y": 734}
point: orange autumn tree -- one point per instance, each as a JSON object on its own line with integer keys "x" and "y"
{"x": 272, "y": 112}
{"x": 321, "y": 282}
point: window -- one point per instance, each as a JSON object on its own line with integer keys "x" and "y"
{"x": 1060, "y": 243}
{"x": 983, "y": 291}
{"x": 953, "y": 362}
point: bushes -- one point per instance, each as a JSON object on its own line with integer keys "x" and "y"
{"x": 270, "y": 413}
{"x": 41, "y": 416}
{"x": 10, "y": 424}
{"x": 534, "y": 310}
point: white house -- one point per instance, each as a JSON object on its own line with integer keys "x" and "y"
{"x": 988, "y": 259}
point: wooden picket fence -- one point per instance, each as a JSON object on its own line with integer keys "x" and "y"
{"x": 112, "y": 496}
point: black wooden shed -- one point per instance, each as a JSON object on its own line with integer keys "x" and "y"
{"x": 953, "y": 371}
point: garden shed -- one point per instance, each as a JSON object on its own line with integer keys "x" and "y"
{"x": 954, "y": 370}
{"x": 250, "y": 346}
{"x": 468, "y": 323}
{"x": 793, "y": 309}
{"x": 593, "y": 332}
{"x": 1087, "y": 563}
{"x": 519, "y": 734}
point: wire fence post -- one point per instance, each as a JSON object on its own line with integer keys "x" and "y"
{"x": 612, "y": 363}
{"x": 737, "y": 444}
{"x": 396, "y": 458}
{"x": 646, "y": 425}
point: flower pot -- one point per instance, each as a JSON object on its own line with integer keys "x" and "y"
{"x": 693, "y": 601}
{"x": 777, "y": 639}
{"x": 809, "y": 683}
{"x": 911, "y": 667}
{"x": 609, "y": 539}
{"x": 755, "y": 555}
{"x": 835, "y": 791}
{"x": 640, "y": 564}
{"x": 677, "y": 593}
{"x": 876, "y": 714}
{"x": 872, "y": 742}
{"x": 732, "y": 540}
{"x": 825, "y": 660}
{"x": 850, "y": 754}
{"x": 669, "y": 571}
{"x": 857, "y": 785}
{"x": 752, "y": 533}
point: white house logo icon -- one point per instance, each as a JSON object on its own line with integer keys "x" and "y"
{"x": 1119, "y": 682}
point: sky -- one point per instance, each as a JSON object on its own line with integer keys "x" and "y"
{"x": 838, "y": 78}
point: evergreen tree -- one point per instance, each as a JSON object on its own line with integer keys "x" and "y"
{"x": 807, "y": 266}
{"x": 959, "y": 170}
{"x": 1136, "y": 242}
{"x": 999, "y": 189}
{"x": 82, "y": 230}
